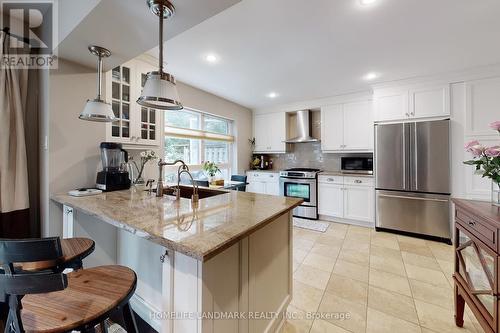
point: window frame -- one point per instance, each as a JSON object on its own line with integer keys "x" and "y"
{"x": 203, "y": 137}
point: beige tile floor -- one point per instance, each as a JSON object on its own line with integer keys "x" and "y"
{"x": 354, "y": 279}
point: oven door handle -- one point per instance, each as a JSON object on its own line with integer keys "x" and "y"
{"x": 300, "y": 180}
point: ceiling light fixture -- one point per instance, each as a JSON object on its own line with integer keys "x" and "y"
{"x": 97, "y": 109}
{"x": 272, "y": 95}
{"x": 160, "y": 91}
{"x": 371, "y": 76}
{"x": 367, "y": 2}
{"x": 211, "y": 58}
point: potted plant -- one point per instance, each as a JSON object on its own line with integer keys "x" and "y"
{"x": 210, "y": 169}
{"x": 487, "y": 163}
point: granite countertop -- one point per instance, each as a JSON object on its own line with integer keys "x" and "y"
{"x": 217, "y": 223}
{"x": 340, "y": 173}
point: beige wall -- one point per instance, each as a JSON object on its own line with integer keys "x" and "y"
{"x": 73, "y": 144}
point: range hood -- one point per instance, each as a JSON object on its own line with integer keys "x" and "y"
{"x": 303, "y": 128}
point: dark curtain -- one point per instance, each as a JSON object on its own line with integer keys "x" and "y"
{"x": 24, "y": 223}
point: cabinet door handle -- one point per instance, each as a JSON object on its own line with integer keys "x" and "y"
{"x": 357, "y": 181}
{"x": 163, "y": 256}
{"x": 472, "y": 223}
{"x": 330, "y": 179}
{"x": 272, "y": 176}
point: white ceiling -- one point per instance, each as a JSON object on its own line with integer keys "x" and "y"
{"x": 310, "y": 49}
{"x": 126, "y": 27}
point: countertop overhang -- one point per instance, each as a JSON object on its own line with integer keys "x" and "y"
{"x": 200, "y": 232}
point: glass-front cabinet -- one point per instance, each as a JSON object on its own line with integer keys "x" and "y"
{"x": 135, "y": 125}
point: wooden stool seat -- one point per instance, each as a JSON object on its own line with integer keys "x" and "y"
{"x": 73, "y": 250}
{"x": 90, "y": 294}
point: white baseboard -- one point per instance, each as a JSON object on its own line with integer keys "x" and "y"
{"x": 144, "y": 310}
{"x": 276, "y": 325}
{"x": 347, "y": 221}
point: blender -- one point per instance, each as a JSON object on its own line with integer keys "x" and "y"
{"x": 114, "y": 175}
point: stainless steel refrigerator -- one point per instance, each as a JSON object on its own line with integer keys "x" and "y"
{"x": 412, "y": 165}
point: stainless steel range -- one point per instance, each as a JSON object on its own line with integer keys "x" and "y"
{"x": 301, "y": 183}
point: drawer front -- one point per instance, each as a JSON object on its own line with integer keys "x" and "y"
{"x": 331, "y": 179}
{"x": 263, "y": 176}
{"x": 478, "y": 227}
{"x": 366, "y": 181}
{"x": 271, "y": 177}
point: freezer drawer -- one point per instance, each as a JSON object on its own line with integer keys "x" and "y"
{"x": 427, "y": 214}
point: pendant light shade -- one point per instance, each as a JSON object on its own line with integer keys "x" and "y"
{"x": 97, "y": 109}
{"x": 160, "y": 91}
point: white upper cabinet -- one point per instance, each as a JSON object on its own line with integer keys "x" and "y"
{"x": 347, "y": 127}
{"x": 134, "y": 125}
{"x": 421, "y": 102}
{"x": 482, "y": 106}
{"x": 358, "y": 126}
{"x": 270, "y": 133}
{"x": 430, "y": 101}
{"x": 332, "y": 127}
{"x": 391, "y": 104}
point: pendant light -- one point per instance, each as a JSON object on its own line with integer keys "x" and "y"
{"x": 97, "y": 109}
{"x": 159, "y": 91}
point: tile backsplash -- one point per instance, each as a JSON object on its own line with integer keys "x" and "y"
{"x": 309, "y": 155}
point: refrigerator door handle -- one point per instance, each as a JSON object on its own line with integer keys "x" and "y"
{"x": 415, "y": 156}
{"x": 411, "y": 198}
{"x": 404, "y": 157}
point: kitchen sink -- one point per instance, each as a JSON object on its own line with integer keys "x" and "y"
{"x": 187, "y": 192}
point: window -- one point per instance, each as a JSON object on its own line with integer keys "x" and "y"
{"x": 196, "y": 137}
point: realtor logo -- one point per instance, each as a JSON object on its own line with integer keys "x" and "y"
{"x": 31, "y": 32}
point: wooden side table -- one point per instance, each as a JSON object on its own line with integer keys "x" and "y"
{"x": 477, "y": 259}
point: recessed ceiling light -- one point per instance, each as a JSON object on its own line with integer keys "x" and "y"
{"x": 367, "y": 2}
{"x": 371, "y": 76}
{"x": 272, "y": 95}
{"x": 211, "y": 58}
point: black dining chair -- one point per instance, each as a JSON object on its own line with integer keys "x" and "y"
{"x": 47, "y": 300}
{"x": 239, "y": 178}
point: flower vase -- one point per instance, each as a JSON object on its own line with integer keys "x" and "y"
{"x": 495, "y": 193}
{"x": 139, "y": 181}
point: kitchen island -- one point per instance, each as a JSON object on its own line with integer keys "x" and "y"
{"x": 223, "y": 264}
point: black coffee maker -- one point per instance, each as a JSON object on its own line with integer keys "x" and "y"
{"x": 114, "y": 175}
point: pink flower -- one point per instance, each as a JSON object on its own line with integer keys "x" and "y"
{"x": 468, "y": 145}
{"x": 492, "y": 151}
{"x": 475, "y": 148}
{"x": 495, "y": 125}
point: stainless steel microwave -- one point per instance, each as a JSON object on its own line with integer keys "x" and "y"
{"x": 363, "y": 165}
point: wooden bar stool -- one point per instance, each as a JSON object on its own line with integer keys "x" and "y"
{"x": 74, "y": 250}
{"x": 46, "y": 300}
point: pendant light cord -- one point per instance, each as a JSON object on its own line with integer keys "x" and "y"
{"x": 160, "y": 65}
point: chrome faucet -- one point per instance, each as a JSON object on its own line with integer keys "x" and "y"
{"x": 183, "y": 168}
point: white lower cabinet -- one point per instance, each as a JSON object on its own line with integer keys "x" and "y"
{"x": 330, "y": 199}
{"x": 263, "y": 182}
{"x": 359, "y": 203}
{"x": 350, "y": 198}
